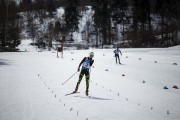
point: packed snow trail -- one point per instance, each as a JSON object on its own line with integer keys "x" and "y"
{"x": 31, "y": 85}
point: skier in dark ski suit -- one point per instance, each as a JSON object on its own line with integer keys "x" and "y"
{"x": 86, "y": 63}
{"x": 117, "y": 51}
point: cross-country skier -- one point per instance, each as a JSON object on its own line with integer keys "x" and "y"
{"x": 86, "y": 65}
{"x": 117, "y": 51}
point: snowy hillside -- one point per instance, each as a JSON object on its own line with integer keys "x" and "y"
{"x": 31, "y": 85}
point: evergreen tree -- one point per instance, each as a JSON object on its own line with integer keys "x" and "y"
{"x": 50, "y": 35}
{"x": 143, "y": 18}
{"x": 178, "y": 18}
{"x": 51, "y": 7}
{"x": 119, "y": 8}
{"x": 167, "y": 10}
{"x": 98, "y": 18}
{"x": 119, "y": 16}
{"x": 9, "y": 29}
{"x": 136, "y": 15}
{"x": 72, "y": 15}
{"x": 2, "y": 24}
{"x": 26, "y": 5}
{"x": 102, "y": 19}
{"x": 60, "y": 30}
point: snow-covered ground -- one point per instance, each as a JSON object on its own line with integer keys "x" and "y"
{"x": 31, "y": 85}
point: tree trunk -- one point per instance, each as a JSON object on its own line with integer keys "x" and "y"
{"x": 97, "y": 37}
{"x": 62, "y": 45}
{"x": 136, "y": 42}
{"x": 109, "y": 30}
{"x": 143, "y": 34}
{"x": 149, "y": 25}
{"x": 6, "y": 23}
{"x": 123, "y": 33}
{"x": 117, "y": 38}
{"x": 104, "y": 25}
{"x": 178, "y": 19}
{"x": 162, "y": 28}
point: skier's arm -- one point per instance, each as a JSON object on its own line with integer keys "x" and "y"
{"x": 120, "y": 52}
{"x": 91, "y": 63}
{"x": 81, "y": 64}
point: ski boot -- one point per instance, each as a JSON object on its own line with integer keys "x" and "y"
{"x": 75, "y": 91}
{"x": 87, "y": 92}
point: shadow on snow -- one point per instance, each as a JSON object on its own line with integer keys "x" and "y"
{"x": 4, "y": 62}
{"x": 91, "y": 97}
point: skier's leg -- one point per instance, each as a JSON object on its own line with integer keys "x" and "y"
{"x": 79, "y": 81}
{"x": 119, "y": 60}
{"x": 87, "y": 82}
{"x": 116, "y": 59}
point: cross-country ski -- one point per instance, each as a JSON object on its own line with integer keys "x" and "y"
{"x": 71, "y": 93}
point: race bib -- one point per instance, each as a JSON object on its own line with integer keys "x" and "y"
{"x": 86, "y": 64}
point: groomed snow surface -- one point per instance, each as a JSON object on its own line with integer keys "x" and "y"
{"x": 31, "y": 85}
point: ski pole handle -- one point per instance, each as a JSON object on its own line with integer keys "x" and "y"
{"x": 69, "y": 78}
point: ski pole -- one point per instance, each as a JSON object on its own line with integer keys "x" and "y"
{"x": 69, "y": 78}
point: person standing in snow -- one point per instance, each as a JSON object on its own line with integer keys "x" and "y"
{"x": 86, "y": 63}
{"x": 116, "y": 52}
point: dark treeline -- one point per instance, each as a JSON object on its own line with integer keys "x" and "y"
{"x": 123, "y": 23}
{"x": 9, "y": 29}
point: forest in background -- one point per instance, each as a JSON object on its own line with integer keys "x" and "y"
{"x": 119, "y": 23}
